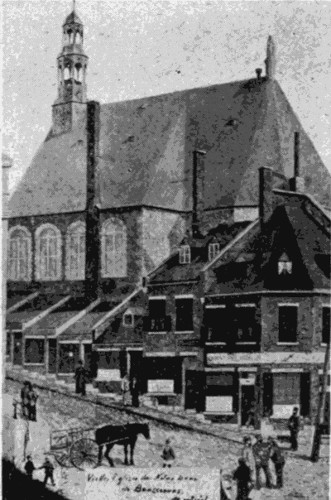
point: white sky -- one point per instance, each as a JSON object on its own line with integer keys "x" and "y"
{"x": 139, "y": 48}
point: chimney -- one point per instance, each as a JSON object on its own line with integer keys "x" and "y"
{"x": 297, "y": 183}
{"x": 197, "y": 192}
{"x": 270, "y": 62}
{"x": 92, "y": 263}
{"x": 258, "y": 72}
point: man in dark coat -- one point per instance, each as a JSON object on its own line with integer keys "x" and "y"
{"x": 261, "y": 452}
{"x": 80, "y": 376}
{"x": 29, "y": 467}
{"x": 32, "y": 405}
{"x": 49, "y": 471}
{"x": 293, "y": 425}
{"x": 25, "y": 399}
{"x": 278, "y": 459}
{"x": 243, "y": 477}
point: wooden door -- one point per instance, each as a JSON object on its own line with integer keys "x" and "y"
{"x": 52, "y": 358}
{"x": 194, "y": 390}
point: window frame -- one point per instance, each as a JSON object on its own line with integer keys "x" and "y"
{"x": 112, "y": 228}
{"x": 27, "y": 238}
{"x": 185, "y": 254}
{"x": 213, "y": 250}
{"x": 38, "y": 339}
{"x": 76, "y": 231}
{"x": 190, "y": 327}
{"x": 41, "y": 275}
{"x": 282, "y": 307}
{"x": 131, "y": 325}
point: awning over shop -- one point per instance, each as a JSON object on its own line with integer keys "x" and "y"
{"x": 265, "y": 358}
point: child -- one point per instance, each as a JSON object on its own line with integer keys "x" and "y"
{"x": 49, "y": 470}
{"x": 168, "y": 454}
{"x": 29, "y": 467}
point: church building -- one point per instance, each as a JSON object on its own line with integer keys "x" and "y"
{"x": 112, "y": 193}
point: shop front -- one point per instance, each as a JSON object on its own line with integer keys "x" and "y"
{"x": 163, "y": 380}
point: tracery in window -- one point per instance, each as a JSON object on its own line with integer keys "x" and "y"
{"x": 19, "y": 254}
{"x": 48, "y": 253}
{"x": 75, "y": 252}
{"x": 113, "y": 249}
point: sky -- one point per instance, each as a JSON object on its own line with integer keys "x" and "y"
{"x": 138, "y": 48}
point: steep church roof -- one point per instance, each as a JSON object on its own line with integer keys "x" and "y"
{"x": 146, "y": 148}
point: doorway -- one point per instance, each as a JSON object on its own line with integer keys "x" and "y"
{"x": 52, "y": 345}
{"x": 18, "y": 351}
{"x": 247, "y": 403}
{"x": 194, "y": 390}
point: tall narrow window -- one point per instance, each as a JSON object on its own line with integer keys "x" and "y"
{"x": 114, "y": 249}
{"x": 288, "y": 320}
{"x": 213, "y": 250}
{"x": 184, "y": 254}
{"x": 75, "y": 252}
{"x": 184, "y": 315}
{"x": 326, "y": 325}
{"x": 19, "y": 254}
{"x": 48, "y": 253}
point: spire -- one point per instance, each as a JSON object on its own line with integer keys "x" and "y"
{"x": 270, "y": 62}
{"x": 72, "y": 65}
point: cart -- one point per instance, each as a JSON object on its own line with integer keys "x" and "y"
{"x": 74, "y": 447}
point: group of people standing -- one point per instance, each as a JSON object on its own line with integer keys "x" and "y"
{"x": 29, "y": 401}
{"x": 47, "y": 466}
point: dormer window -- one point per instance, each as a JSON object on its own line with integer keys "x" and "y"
{"x": 128, "y": 319}
{"x": 213, "y": 250}
{"x": 284, "y": 265}
{"x": 184, "y": 254}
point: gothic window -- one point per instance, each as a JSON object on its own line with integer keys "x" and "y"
{"x": 113, "y": 249}
{"x": 213, "y": 250}
{"x": 75, "y": 252}
{"x": 284, "y": 265}
{"x": 71, "y": 37}
{"x": 78, "y": 39}
{"x": 184, "y": 254}
{"x": 19, "y": 254}
{"x": 48, "y": 253}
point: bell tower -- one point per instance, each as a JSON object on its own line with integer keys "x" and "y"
{"x": 71, "y": 65}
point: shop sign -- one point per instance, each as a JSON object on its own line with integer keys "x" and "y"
{"x": 219, "y": 404}
{"x": 162, "y": 385}
{"x": 247, "y": 381}
{"x": 108, "y": 375}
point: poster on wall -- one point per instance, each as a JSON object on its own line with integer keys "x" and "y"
{"x": 161, "y": 386}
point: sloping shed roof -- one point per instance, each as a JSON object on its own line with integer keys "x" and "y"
{"x": 146, "y": 148}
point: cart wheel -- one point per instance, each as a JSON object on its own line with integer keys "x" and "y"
{"x": 84, "y": 454}
{"x": 63, "y": 459}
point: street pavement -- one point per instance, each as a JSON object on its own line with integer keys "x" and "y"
{"x": 302, "y": 478}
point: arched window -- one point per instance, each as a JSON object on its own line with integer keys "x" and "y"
{"x": 284, "y": 265}
{"x": 113, "y": 249}
{"x": 48, "y": 253}
{"x": 19, "y": 254}
{"x": 78, "y": 73}
{"x": 75, "y": 252}
{"x": 78, "y": 39}
{"x": 66, "y": 73}
{"x": 71, "y": 37}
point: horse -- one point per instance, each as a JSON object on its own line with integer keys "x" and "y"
{"x": 125, "y": 435}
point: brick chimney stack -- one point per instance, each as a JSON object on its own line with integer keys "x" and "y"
{"x": 297, "y": 183}
{"x": 270, "y": 62}
{"x": 197, "y": 192}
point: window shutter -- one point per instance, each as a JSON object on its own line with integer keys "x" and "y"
{"x": 235, "y": 392}
{"x": 267, "y": 393}
{"x": 305, "y": 394}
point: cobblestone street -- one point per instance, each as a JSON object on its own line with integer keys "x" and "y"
{"x": 302, "y": 478}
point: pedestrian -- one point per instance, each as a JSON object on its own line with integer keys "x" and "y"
{"x": 278, "y": 459}
{"x": 250, "y": 422}
{"x": 80, "y": 376}
{"x": 32, "y": 403}
{"x": 49, "y": 471}
{"x": 25, "y": 399}
{"x": 168, "y": 454}
{"x": 248, "y": 456}
{"x": 242, "y": 476}
{"x": 29, "y": 467}
{"x": 293, "y": 425}
{"x": 135, "y": 392}
{"x": 261, "y": 452}
{"x": 125, "y": 388}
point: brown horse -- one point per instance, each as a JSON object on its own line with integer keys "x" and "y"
{"x": 125, "y": 435}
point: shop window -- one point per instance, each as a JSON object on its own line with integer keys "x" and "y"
{"x": 213, "y": 250}
{"x": 48, "y": 253}
{"x": 286, "y": 388}
{"x": 184, "y": 315}
{"x": 19, "y": 254}
{"x": 326, "y": 325}
{"x": 34, "y": 351}
{"x": 288, "y": 319}
{"x": 68, "y": 357}
{"x": 184, "y": 254}
{"x": 284, "y": 265}
{"x": 75, "y": 252}
{"x": 246, "y": 324}
{"x": 215, "y": 322}
{"x": 113, "y": 249}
